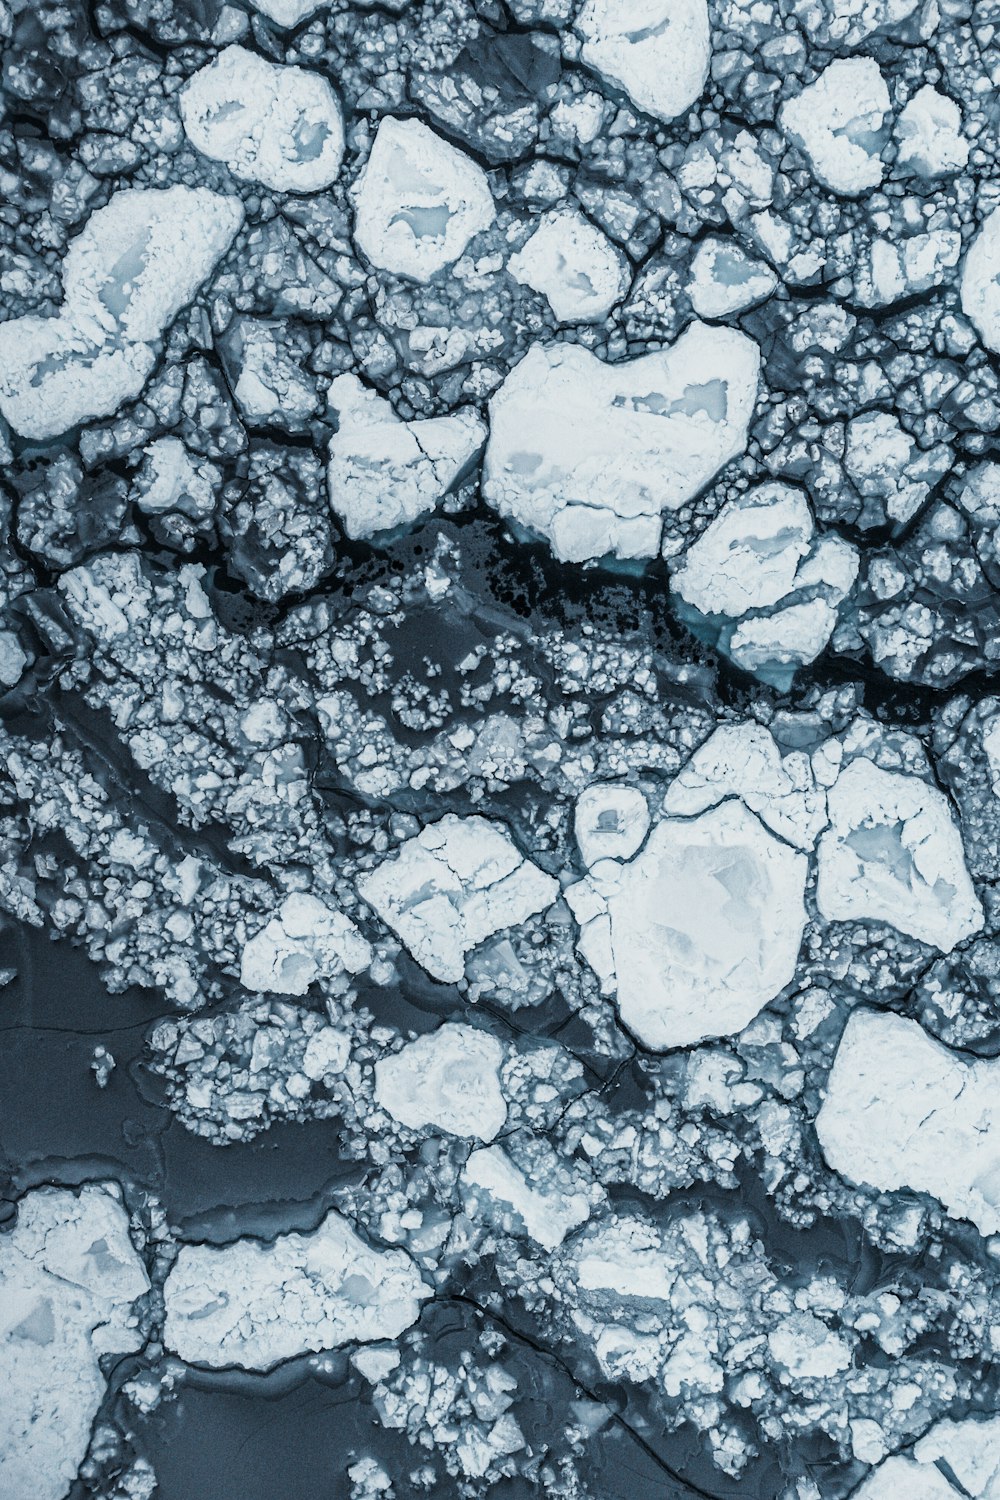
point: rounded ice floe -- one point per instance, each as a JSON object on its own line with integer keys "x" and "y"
{"x": 726, "y": 281}
{"x": 126, "y": 276}
{"x": 448, "y": 1080}
{"x": 304, "y": 941}
{"x": 892, "y": 854}
{"x": 574, "y": 266}
{"x": 838, "y": 122}
{"x": 252, "y": 1304}
{"x": 610, "y": 821}
{"x": 385, "y": 473}
{"x": 589, "y": 454}
{"x": 69, "y": 1280}
{"x": 929, "y": 135}
{"x": 980, "y": 285}
{"x": 419, "y": 201}
{"x": 277, "y": 125}
{"x": 658, "y": 51}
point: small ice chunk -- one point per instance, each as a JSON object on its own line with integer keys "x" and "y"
{"x": 384, "y": 472}
{"x": 574, "y": 266}
{"x": 252, "y": 1304}
{"x": 271, "y": 386}
{"x": 270, "y": 123}
{"x": 172, "y": 479}
{"x": 725, "y": 280}
{"x": 126, "y": 276}
{"x": 700, "y": 931}
{"x": 547, "y": 1217}
{"x": 658, "y": 51}
{"x": 610, "y": 821}
{"x": 589, "y": 454}
{"x": 449, "y": 1080}
{"x": 69, "y": 1279}
{"x": 807, "y": 1349}
{"x": 13, "y": 659}
{"x": 980, "y": 285}
{"x": 452, "y": 886}
{"x": 929, "y": 135}
{"x": 419, "y": 201}
{"x": 903, "y": 1111}
{"x": 304, "y": 941}
{"x": 893, "y": 854}
{"x": 838, "y": 122}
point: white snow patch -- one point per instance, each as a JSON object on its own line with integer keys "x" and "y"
{"x": 277, "y": 125}
{"x": 591, "y": 454}
{"x": 726, "y": 281}
{"x": 610, "y": 821}
{"x": 892, "y": 854}
{"x": 574, "y": 266}
{"x": 547, "y": 1217}
{"x": 452, "y": 886}
{"x": 304, "y": 941}
{"x": 929, "y": 135}
{"x": 289, "y": 13}
{"x": 252, "y": 1305}
{"x": 900, "y": 1478}
{"x": 384, "y": 472}
{"x": 448, "y": 1079}
{"x": 126, "y": 276}
{"x": 971, "y": 1449}
{"x": 980, "y": 285}
{"x": 658, "y": 51}
{"x": 419, "y": 201}
{"x": 837, "y": 122}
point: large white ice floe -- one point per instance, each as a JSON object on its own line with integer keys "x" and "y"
{"x": 447, "y": 1080}
{"x": 903, "y": 1111}
{"x": 980, "y": 285}
{"x": 590, "y": 455}
{"x": 698, "y": 932}
{"x": 385, "y": 473}
{"x": 126, "y": 276}
{"x": 547, "y": 1216}
{"x": 761, "y": 585}
{"x": 304, "y": 941}
{"x": 252, "y": 1305}
{"x": 657, "y": 51}
{"x": 276, "y": 125}
{"x": 893, "y": 854}
{"x": 419, "y": 201}
{"x": 574, "y": 266}
{"x": 838, "y": 122}
{"x": 898, "y": 1477}
{"x": 452, "y": 886}
{"x": 69, "y": 1279}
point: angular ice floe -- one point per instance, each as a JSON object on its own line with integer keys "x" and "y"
{"x": 418, "y": 201}
{"x": 610, "y": 821}
{"x": 699, "y": 931}
{"x": 69, "y": 1279}
{"x": 448, "y": 1080}
{"x": 137, "y": 262}
{"x": 658, "y": 51}
{"x": 980, "y": 284}
{"x": 548, "y": 1217}
{"x": 929, "y": 135}
{"x": 725, "y": 280}
{"x": 892, "y": 269}
{"x": 574, "y": 266}
{"x": 838, "y": 122}
{"x": 385, "y": 473}
{"x": 304, "y": 941}
{"x": 893, "y": 854}
{"x": 451, "y": 887}
{"x": 761, "y": 586}
{"x": 589, "y": 454}
{"x": 900, "y": 1477}
{"x": 276, "y": 125}
{"x": 903, "y": 1111}
{"x": 888, "y": 469}
{"x": 289, "y": 13}
{"x": 743, "y": 760}
{"x": 971, "y": 1450}
{"x": 252, "y": 1304}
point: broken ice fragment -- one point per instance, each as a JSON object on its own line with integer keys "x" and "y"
{"x": 69, "y": 1279}
{"x": 903, "y": 1111}
{"x": 726, "y": 281}
{"x": 548, "y": 1217}
{"x": 700, "y": 931}
{"x": 304, "y": 941}
{"x": 447, "y": 1080}
{"x": 658, "y": 51}
{"x": 899, "y": 1476}
{"x": 980, "y": 285}
{"x": 610, "y": 821}
{"x": 589, "y": 454}
{"x": 137, "y": 262}
{"x": 574, "y": 266}
{"x": 419, "y": 201}
{"x": 385, "y": 473}
{"x": 453, "y": 886}
{"x": 929, "y": 135}
{"x": 252, "y": 1305}
{"x": 289, "y": 13}
{"x": 277, "y": 125}
{"x": 892, "y": 854}
{"x": 838, "y": 122}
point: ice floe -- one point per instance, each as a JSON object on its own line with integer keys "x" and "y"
{"x": 447, "y": 1080}
{"x": 574, "y": 266}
